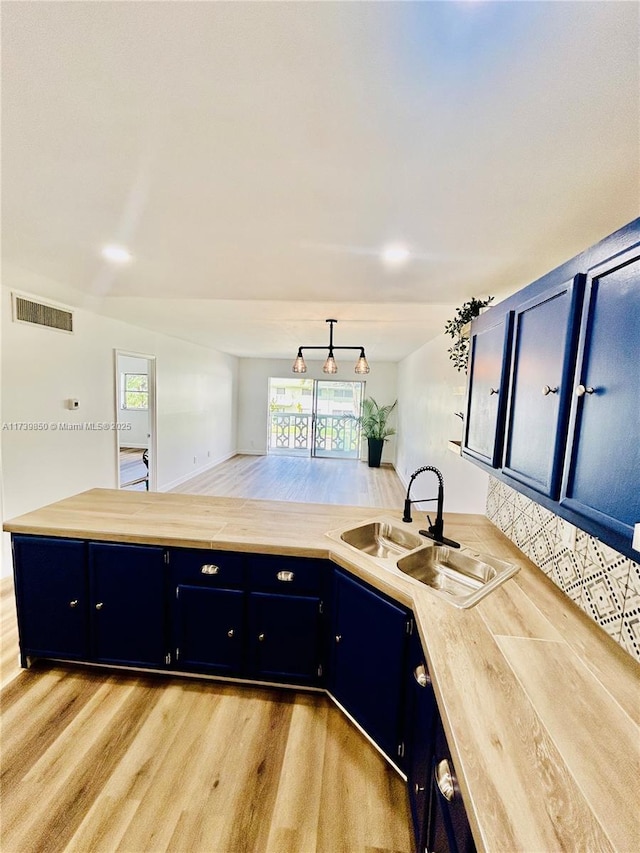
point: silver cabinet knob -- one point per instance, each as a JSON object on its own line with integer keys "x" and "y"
{"x": 581, "y": 390}
{"x": 444, "y": 780}
{"x": 287, "y": 577}
{"x": 99, "y": 605}
{"x": 209, "y": 569}
{"x": 230, "y": 632}
{"x": 261, "y": 638}
{"x": 418, "y": 788}
{"x": 73, "y": 603}
{"x": 549, "y": 390}
{"x": 493, "y": 391}
{"x": 338, "y": 638}
{"x": 421, "y": 675}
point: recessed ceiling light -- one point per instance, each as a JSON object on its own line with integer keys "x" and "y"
{"x": 395, "y": 255}
{"x": 116, "y": 254}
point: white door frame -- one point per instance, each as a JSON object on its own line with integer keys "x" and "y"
{"x": 153, "y": 414}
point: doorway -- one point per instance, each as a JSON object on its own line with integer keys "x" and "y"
{"x": 314, "y": 417}
{"x": 135, "y": 403}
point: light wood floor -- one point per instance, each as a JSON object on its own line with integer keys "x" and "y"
{"x": 294, "y": 478}
{"x": 96, "y": 761}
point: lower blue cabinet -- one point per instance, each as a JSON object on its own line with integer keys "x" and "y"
{"x": 52, "y": 596}
{"x": 209, "y": 629}
{"x": 421, "y": 713}
{"x": 448, "y": 829}
{"x": 369, "y": 660}
{"x": 128, "y": 604}
{"x": 285, "y": 638}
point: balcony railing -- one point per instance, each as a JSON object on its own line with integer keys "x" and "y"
{"x": 335, "y": 435}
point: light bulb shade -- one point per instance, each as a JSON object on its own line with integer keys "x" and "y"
{"x": 299, "y": 365}
{"x": 362, "y": 366}
{"x": 330, "y": 365}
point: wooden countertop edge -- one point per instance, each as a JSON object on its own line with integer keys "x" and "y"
{"x": 557, "y": 620}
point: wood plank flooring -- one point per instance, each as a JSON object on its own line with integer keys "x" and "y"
{"x": 294, "y": 478}
{"x": 95, "y": 761}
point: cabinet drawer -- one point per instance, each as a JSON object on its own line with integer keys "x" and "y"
{"x": 269, "y": 573}
{"x": 201, "y": 567}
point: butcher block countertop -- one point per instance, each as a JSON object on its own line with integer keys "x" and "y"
{"x": 541, "y": 708}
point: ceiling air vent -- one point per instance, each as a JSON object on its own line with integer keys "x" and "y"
{"x": 41, "y": 314}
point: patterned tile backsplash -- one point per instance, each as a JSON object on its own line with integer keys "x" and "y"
{"x": 601, "y": 581}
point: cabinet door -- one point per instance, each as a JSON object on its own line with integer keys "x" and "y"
{"x": 544, "y": 346}
{"x": 487, "y": 388}
{"x": 421, "y": 715}
{"x": 602, "y": 467}
{"x": 52, "y": 597}
{"x": 285, "y": 637}
{"x": 209, "y": 625}
{"x": 369, "y": 660}
{"x": 448, "y": 828}
{"x": 128, "y": 604}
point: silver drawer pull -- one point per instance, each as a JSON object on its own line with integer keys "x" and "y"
{"x": 285, "y": 576}
{"x": 549, "y": 390}
{"x": 73, "y": 603}
{"x": 230, "y": 632}
{"x": 444, "y": 780}
{"x": 493, "y": 391}
{"x": 209, "y": 569}
{"x": 421, "y": 675}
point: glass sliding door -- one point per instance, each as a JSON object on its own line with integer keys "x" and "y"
{"x": 314, "y": 417}
{"x": 336, "y": 434}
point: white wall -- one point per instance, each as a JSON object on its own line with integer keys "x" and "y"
{"x": 430, "y": 390}
{"x": 137, "y": 436}
{"x": 253, "y": 396}
{"x": 42, "y": 368}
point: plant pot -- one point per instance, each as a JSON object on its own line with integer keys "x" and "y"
{"x": 375, "y": 451}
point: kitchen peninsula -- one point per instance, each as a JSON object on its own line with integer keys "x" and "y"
{"x": 539, "y": 706}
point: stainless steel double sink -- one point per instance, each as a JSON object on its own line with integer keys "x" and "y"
{"x": 459, "y": 576}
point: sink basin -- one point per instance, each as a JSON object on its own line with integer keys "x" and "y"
{"x": 382, "y": 540}
{"x": 457, "y": 576}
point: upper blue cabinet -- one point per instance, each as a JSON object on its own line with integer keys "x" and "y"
{"x": 602, "y": 463}
{"x": 543, "y": 360}
{"x": 553, "y": 391}
{"x": 487, "y": 387}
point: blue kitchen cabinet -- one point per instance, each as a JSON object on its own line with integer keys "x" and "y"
{"x": 421, "y": 712}
{"x": 487, "y": 387}
{"x": 209, "y": 629}
{"x": 543, "y": 360}
{"x": 368, "y": 666}
{"x": 52, "y": 597}
{"x": 208, "y": 610}
{"x": 448, "y": 829}
{"x": 287, "y": 598}
{"x": 602, "y": 463}
{"x": 128, "y": 604}
{"x": 285, "y": 638}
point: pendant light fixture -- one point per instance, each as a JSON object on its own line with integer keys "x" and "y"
{"x": 330, "y": 365}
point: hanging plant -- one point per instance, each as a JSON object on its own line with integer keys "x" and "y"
{"x": 459, "y": 352}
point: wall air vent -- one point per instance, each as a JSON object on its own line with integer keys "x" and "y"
{"x": 26, "y": 310}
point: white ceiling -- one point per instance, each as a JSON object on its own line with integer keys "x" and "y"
{"x": 255, "y": 156}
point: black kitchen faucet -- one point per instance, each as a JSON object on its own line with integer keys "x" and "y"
{"x": 436, "y": 529}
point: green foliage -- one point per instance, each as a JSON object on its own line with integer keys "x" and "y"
{"x": 459, "y": 352}
{"x": 374, "y": 419}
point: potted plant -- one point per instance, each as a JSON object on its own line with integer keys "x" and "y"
{"x": 374, "y": 425}
{"x": 456, "y": 328}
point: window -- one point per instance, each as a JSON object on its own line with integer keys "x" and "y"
{"x": 135, "y": 391}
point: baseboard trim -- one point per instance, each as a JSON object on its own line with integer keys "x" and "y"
{"x": 166, "y": 487}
